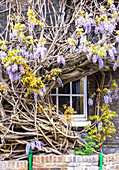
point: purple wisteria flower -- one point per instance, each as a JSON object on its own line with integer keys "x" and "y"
{"x": 102, "y": 28}
{"x": 12, "y": 75}
{"x": 9, "y": 70}
{"x": 32, "y": 25}
{"x": 59, "y": 81}
{"x": 26, "y": 54}
{"x": 33, "y": 144}
{"x": 106, "y": 99}
{"x": 81, "y": 21}
{"x": 90, "y": 55}
{"x": 90, "y": 102}
{"x": 35, "y": 96}
{"x": 20, "y": 39}
{"x": 87, "y": 27}
{"x": 114, "y": 50}
{"x": 39, "y": 51}
{"x": 27, "y": 148}
{"x": 111, "y": 28}
{"x": 110, "y": 99}
{"x": 84, "y": 49}
{"x": 61, "y": 59}
{"x": 96, "y": 30}
{"x": 14, "y": 68}
{"x": 101, "y": 63}
{"x": 30, "y": 55}
{"x": 95, "y": 58}
{"x": 86, "y": 23}
{"x": 105, "y": 56}
{"x": 16, "y": 76}
{"x": 42, "y": 51}
{"x": 41, "y": 92}
{"x": 112, "y": 7}
{"x": 106, "y": 26}
{"x": 115, "y": 95}
{"x": 39, "y": 144}
{"x": 36, "y": 55}
{"x": 111, "y": 54}
{"x": 2, "y": 55}
{"x": 117, "y": 38}
{"x": 22, "y": 71}
{"x": 115, "y": 66}
{"x": 13, "y": 34}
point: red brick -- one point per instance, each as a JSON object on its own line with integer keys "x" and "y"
{"x": 34, "y": 158}
{"x": 42, "y": 159}
{"x": 74, "y": 159}
{"x": 46, "y": 159}
{"x": 59, "y": 159}
{"x": 21, "y": 164}
{"x": 56, "y": 168}
{"x": 71, "y": 159}
{"x": 63, "y": 159}
{"x": 54, "y": 159}
{"x": 41, "y": 168}
{"x": 17, "y": 164}
{"x": 51, "y": 158}
{"x": 13, "y": 163}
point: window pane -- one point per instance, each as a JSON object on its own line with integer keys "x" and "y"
{"x": 77, "y": 87}
{"x": 63, "y": 100}
{"x": 77, "y": 104}
{"x": 65, "y": 89}
{"x": 53, "y": 91}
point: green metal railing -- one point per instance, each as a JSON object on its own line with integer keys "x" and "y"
{"x": 100, "y": 161}
{"x": 30, "y": 158}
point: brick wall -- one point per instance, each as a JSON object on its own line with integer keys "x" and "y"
{"x": 64, "y": 162}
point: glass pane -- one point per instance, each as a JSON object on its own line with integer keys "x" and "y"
{"x": 77, "y": 87}
{"x": 77, "y": 104}
{"x": 65, "y": 89}
{"x": 53, "y": 91}
{"x": 63, "y": 100}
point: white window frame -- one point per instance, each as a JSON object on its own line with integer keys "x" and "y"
{"x": 79, "y": 120}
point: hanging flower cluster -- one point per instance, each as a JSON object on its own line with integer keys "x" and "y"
{"x": 14, "y": 64}
{"x": 98, "y": 53}
{"x": 108, "y": 94}
{"x": 61, "y": 59}
{"x": 111, "y": 94}
{"x": 34, "y": 143}
{"x": 90, "y": 102}
{"x": 39, "y": 51}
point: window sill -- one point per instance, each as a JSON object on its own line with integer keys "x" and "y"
{"x": 80, "y": 123}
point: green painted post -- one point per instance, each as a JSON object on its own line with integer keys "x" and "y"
{"x": 100, "y": 161}
{"x": 30, "y": 158}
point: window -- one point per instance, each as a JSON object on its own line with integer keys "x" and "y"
{"x": 73, "y": 94}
